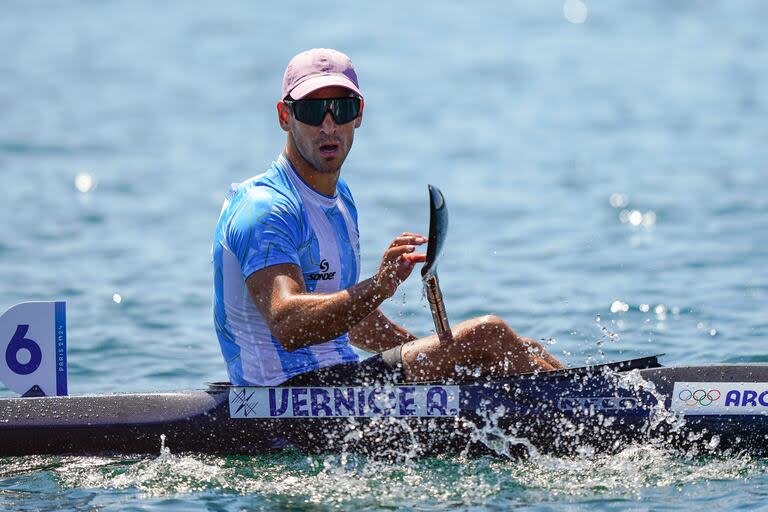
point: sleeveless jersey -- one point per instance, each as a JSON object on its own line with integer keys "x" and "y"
{"x": 270, "y": 219}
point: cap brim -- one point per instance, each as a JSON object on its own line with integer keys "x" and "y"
{"x": 318, "y": 82}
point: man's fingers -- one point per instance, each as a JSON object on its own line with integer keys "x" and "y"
{"x": 400, "y": 259}
{"x": 397, "y": 251}
{"x": 415, "y": 257}
{"x": 408, "y": 239}
{"x": 406, "y": 253}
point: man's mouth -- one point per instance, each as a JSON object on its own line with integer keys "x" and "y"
{"x": 329, "y": 150}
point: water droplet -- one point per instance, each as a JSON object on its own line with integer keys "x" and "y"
{"x": 117, "y": 298}
{"x": 649, "y": 219}
{"x": 164, "y": 450}
{"x": 575, "y": 11}
{"x": 619, "y": 307}
{"x": 645, "y": 308}
{"x": 84, "y": 182}
{"x": 624, "y": 216}
{"x": 618, "y": 200}
{"x": 421, "y": 356}
{"x": 635, "y": 218}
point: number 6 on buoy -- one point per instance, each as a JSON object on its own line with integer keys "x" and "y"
{"x": 33, "y": 348}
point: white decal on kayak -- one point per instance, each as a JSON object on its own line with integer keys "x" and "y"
{"x": 714, "y": 398}
{"x": 597, "y": 403}
{"x": 321, "y": 402}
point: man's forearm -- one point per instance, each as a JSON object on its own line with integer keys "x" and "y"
{"x": 310, "y": 318}
{"x": 376, "y": 333}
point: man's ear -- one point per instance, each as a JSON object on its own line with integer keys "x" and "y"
{"x": 282, "y": 115}
{"x": 359, "y": 119}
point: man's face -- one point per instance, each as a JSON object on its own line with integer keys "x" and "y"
{"x": 323, "y": 147}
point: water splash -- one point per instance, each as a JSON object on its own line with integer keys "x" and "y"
{"x": 165, "y": 452}
{"x": 499, "y": 440}
{"x": 338, "y": 482}
{"x": 659, "y": 414}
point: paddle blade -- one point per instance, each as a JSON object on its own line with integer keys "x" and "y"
{"x": 438, "y": 230}
{"x": 33, "y": 348}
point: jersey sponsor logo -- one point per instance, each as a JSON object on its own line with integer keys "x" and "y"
{"x": 728, "y": 398}
{"x": 323, "y": 275}
{"x": 344, "y": 401}
{"x": 597, "y": 403}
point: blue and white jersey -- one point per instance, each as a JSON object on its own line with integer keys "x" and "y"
{"x": 267, "y": 220}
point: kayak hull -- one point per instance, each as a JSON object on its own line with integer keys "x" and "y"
{"x": 592, "y": 409}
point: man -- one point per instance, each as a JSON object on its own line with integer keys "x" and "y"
{"x": 288, "y": 301}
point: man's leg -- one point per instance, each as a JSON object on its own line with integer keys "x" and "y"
{"x": 486, "y": 344}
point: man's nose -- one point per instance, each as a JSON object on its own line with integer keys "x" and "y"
{"x": 329, "y": 125}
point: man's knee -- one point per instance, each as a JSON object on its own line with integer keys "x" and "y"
{"x": 491, "y": 320}
{"x": 496, "y": 327}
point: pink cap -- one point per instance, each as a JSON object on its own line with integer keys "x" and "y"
{"x": 317, "y": 68}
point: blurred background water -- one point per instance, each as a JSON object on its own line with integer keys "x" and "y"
{"x": 605, "y": 166}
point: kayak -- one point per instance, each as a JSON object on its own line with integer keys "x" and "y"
{"x": 602, "y": 408}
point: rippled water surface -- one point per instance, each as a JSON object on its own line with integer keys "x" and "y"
{"x": 607, "y": 182}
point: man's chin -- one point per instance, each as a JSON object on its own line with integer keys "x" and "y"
{"x": 327, "y": 165}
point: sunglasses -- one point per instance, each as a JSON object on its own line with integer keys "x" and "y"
{"x": 312, "y": 112}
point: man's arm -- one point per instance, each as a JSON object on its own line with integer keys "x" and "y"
{"x": 376, "y": 333}
{"x": 299, "y": 319}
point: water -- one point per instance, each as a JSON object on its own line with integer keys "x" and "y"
{"x": 606, "y": 180}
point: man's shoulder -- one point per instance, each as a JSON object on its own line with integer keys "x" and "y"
{"x": 267, "y": 191}
{"x": 343, "y": 190}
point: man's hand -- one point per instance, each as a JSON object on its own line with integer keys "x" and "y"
{"x": 398, "y": 262}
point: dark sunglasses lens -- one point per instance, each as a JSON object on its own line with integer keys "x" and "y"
{"x": 310, "y": 112}
{"x": 346, "y": 110}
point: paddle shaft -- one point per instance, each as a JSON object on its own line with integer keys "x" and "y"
{"x": 436, "y": 304}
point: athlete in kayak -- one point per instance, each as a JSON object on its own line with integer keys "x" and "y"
{"x": 288, "y": 302}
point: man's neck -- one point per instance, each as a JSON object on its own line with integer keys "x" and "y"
{"x": 323, "y": 182}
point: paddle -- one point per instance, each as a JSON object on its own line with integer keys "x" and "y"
{"x": 438, "y": 230}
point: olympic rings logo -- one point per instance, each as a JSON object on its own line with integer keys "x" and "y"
{"x": 700, "y": 396}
